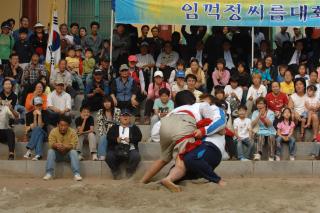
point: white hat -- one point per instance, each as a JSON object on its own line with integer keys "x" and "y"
{"x": 158, "y": 73}
{"x": 38, "y": 24}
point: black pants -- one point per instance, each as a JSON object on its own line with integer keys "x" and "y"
{"x": 231, "y": 147}
{"x": 127, "y": 105}
{"x": 149, "y": 107}
{"x": 166, "y": 73}
{"x": 94, "y": 102}
{"x": 115, "y": 161}
{"x": 201, "y": 162}
{"x": 7, "y": 136}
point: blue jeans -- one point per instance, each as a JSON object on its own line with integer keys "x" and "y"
{"x": 36, "y": 140}
{"x": 55, "y": 156}
{"x": 76, "y": 78}
{"x": 102, "y": 147}
{"x": 246, "y": 142}
{"x": 291, "y": 143}
{"x": 22, "y": 111}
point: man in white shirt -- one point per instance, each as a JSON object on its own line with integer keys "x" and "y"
{"x": 145, "y": 60}
{"x": 167, "y": 60}
{"x": 227, "y": 55}
{"x": 295, "y": 59}
{"x": 59, "y": 103}
{"x": 282, "y": 36}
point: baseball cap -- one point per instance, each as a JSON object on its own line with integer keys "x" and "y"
{"x": 132, "y": 58}
{"x": 37, "y": 101}
{"x": 146, "y": 44}
{"x": 124, "y": 67}
{"x": 180, "y": 74}
{"x": 5, "y": 24}
{"x": 125, "y": 111}
{"x": 97, "y": 72}
{"x": 158, "y": 73}
{"x": 59, "y": 82}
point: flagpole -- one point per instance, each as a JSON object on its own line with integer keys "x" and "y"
{"x": 252, "y": 48}
{"x": 111, "y": 35}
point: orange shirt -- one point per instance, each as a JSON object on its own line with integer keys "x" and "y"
{"x": 29, "y": 102}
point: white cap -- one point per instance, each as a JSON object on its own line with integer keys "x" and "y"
{"x": 158, "y": 73}
{"x": 38, "y": 25}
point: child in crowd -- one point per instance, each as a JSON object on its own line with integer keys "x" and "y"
{"x": 244, "y": 80}
{"x": 196, "y": 70}
{"x": 243, "y": 132}
{"x": 162, "y": 106}
{"x": 137, "y": 74}
{"x": 312, "y": 104}
{"x": 78, "y": 50}
{"x": 85, "y": 127}
{"x": 263, "y": 71}
{"x": 233, "y": 93}
{"x": 287, "y": 86}
{"x": 180, "y": 83}
{"x": 221, "y": 96}
{"x": 180, "y": 67}
{"x": 285, "y": 129}
{"x": 47, "y": 89}
{"x": 302, "y": 70}
{"x": 255, "y": 91}
{"x": 282, "y": 69}
{"x": 73, "y": 63}
{"x": 88, "y": 64}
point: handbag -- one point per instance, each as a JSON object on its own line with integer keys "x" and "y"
{"x": 122, "y": 150}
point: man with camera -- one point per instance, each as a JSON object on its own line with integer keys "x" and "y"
{"x": 123, "y": 142}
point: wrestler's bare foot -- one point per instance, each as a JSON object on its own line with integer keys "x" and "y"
{"x": 171, "y": 186}
{"x": 222, "y": 183}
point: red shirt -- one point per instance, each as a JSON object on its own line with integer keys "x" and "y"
{"x": 276, "y": 102}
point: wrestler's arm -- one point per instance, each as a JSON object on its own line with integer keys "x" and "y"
{"x": 218, "y": 122}
{"x": 153, "y": 170}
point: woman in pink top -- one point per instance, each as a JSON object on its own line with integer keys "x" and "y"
{"x": 221, "y": 75}
{"x": 285, "y": 129}
{"x": 153, "y": 93}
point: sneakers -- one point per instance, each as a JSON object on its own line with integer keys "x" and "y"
{"x": 47, "y": 177}
{"x": 11, "y": 157}
{"x": 80, "y": 157}
{"x": 94, "y": 157}
{"x": 271, "y": 159}
{"x": 102, "y": 158}
{"x": 36, "y": 158}
{"x": 256, "y": 157}
{"x": 28, "y": 154}
{"x": 292, "y": 158}
{"x": 244, "y": 159}
{"x": 277, "y": 158}
{"x": 77, "y": 177}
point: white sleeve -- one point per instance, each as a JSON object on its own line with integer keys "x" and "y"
{"x": 264, "y": 92}
{"x": 172, "y": 76}
{"x": 240, "y": 93}
{"x": 49, "y": 101}
{"x": 10, "y": 114}
{"x": 68, "y": 102}
{"x": 142, "y": 82}
{"x": 159, "y": 60}
{"x": 155, "y": 132}
{"x": 249, "y": 93}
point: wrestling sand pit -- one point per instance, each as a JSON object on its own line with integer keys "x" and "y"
{"x": 20, "y": 194}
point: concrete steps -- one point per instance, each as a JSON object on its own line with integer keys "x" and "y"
{"x": 301, "y": 168}
{"x": 151, "y": 151}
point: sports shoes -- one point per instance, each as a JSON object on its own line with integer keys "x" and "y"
{"x": 102, "y": 158}
{"x": 28, "y": 154}
{"x": 77, "y": 177}
{"x": 271, "y": 159}
{"x": 47, "y": 177}
{"x": 244, "y": 159}
{"x": 36, "y": 158}
{"x": 11, "y": 157}
{"x": 292, "y": 158}
{"x": 277, "y": 158}
{"x": 94, "y": 157}
{"x": 256, "y": 157}
{"x": 80, "y": 157}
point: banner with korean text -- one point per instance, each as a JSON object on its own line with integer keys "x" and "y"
{"x": 220, "y": 12}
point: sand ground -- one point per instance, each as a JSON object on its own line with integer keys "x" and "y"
{"x": 21, "y": 194}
